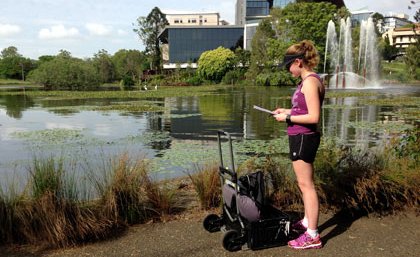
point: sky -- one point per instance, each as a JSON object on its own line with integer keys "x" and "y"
{"x": 84, "y": 27}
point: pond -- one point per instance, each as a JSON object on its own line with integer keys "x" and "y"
{"x": 182, "y": 132}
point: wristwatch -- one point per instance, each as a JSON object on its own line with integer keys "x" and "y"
{"x": 288, "y": 121}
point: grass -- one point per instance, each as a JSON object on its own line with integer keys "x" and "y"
{"x": 397, "y": 71}
{"x": 206, "y": 182}
{"x": 9, "y": 82}
{"x": 382, "y": 180}
{"x": 50, "y": 212}
{"x": 367, "y": 179}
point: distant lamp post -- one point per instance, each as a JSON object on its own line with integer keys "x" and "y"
{"x": 287, "y": 30}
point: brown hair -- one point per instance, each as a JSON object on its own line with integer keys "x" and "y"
{"x": 306, "y": 48}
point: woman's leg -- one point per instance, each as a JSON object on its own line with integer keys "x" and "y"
{"x": 305, "y": 178}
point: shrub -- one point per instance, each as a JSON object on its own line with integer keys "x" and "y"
{"x": 371, "y": 181}
{"x": 66, "y": 73}
{"x": 233, "y": 76}
{"x": 127, "y": 82}
{"x": 278, "y": 78}
{"x": 194, "y": 80}
{"x": 206, "y": 181}
{"x": 213, "y": 64}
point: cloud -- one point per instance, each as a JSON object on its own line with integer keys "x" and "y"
{"x": 98, "y": 29}
{"x": 58, "y": 32}
{"x": 8, "y": 29}
{"x": 121, "y": 32}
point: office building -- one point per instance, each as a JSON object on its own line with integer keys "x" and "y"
{"x": 183, "y": 45}
{"x": 392, "y": 21}
{"x": 282, "y": 3}
{"x": 402, "y": 38}
{"x": 360, "y": 15}
{"x": 194, "y": 19}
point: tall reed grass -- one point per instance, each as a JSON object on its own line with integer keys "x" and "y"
{"x": 375, "y": 180}
{"x": 49, "y": 212}
{"x": 206, "y": 182}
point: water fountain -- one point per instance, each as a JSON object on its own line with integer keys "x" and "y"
{"x": 338, "y": 52}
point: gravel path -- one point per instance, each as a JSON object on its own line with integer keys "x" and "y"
{"x": 366, "y": 236}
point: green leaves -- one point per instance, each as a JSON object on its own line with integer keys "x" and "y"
{"x": 214, "y": 64}
{"x": 66, "y": 73}
{"x": 148, "y": 31}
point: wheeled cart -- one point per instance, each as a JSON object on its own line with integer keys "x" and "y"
{"x": 246, "y": 221}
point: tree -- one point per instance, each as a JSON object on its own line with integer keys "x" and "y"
{"x": 128, "y": 63}
{"x": 13, "y": 65}
{"x": 389, "y": 52}
{"x": 148, "y": 31}
{"x": 213, "y": 64}
{"x": 104, "y": 66}
{"x": 259, "y": 41}
{"x": 306, "y": 21}
{"x": 412, "y": 60}
{"x": 10, "y": 51}
{"x": 412, "y": 57}
{"x": 417, "y": 16}
{"x": 242, "y": 57}
{"x": 67, "y": 73}
{"x": 64, "y": 54}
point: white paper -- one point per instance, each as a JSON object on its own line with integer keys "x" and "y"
{"x": 263, "y": 110}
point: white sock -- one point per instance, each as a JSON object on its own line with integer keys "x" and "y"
{"x": 312, "y": 232}
{"x": 305, "y": 222}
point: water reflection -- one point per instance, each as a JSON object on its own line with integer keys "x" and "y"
{"x": 15, "y": 105}
{"x": 185, "y": 118}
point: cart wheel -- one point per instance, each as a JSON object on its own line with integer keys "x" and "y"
{"x": 232, "y": 241}
{"x": 212, "y": 223}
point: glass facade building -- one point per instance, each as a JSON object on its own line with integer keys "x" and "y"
{"x": 186, "y": 44}
{"x": 282, "y": 3}
{"x": 257, "y": 8}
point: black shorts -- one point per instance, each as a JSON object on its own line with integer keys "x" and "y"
{"x": 304, "y": 146}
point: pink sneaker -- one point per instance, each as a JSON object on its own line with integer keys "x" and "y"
{"x": 298, "y": 226}
{"x": 305, "y": 241}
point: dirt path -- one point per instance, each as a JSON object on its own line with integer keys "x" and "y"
{"x": 366, "y": 236}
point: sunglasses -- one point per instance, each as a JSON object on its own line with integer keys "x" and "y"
{"x": 290, "y": 64}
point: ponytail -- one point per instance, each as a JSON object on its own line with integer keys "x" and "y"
{"x": 308, "y": 50}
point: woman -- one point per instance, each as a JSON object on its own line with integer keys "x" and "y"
{"x": 304, "y": 138}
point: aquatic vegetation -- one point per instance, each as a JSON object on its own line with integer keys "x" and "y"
{"x": 58, "y": 136}
{"x": 395, "y": 101}
{"x": 379, "y": 126}
{"x": 185, "y": 154}
{"x": 179, "y": 116}
{"x": 346, "y": 93}
{"x": 340, "y": 106}
{"x": 130, "y": 107}
{"x": 150, "y": 94}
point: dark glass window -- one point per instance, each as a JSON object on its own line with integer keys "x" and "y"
{"x": 257, "y": 8}
{"x": 187, "y": 44}
{"x": 282, "y": 3}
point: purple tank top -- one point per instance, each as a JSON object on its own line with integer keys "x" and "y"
{"x": 299, "y": 108}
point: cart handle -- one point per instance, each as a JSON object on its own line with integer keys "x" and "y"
{"x": 219, "y": 133}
